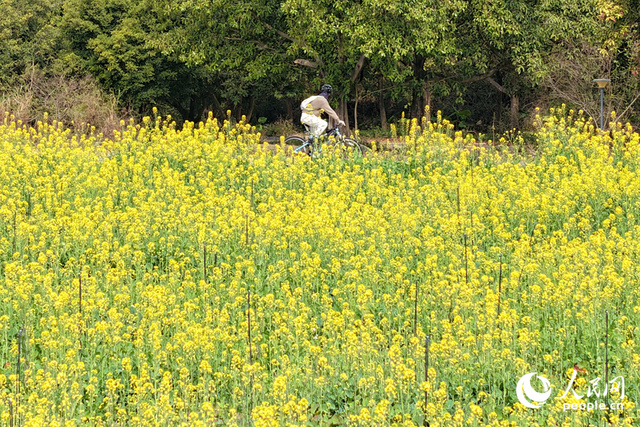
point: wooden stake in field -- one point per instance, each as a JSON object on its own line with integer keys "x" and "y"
{"x": 249, "y": 325}
{"x": 607, "y": 419}
{"x": 415, "y": 312}
{"x": 472, "y": 186}
{"x": 80, "y": 309}
{"x": 458, "y": 205}
{"x": 19, "y": 371}
{"x": 80, "y": 294}
{"x": 13, "y": 244}
{"x": 415, "y": 319}
{"x": 606, "y": 353}
{"x": 606, "y": 348}
{"x": 10, "y": 402}
{"x": 499, "y": 286}
{"x": 425, "y": 423}
{"x": 466, "y": 263}
{"x": 246, "y": 229}
{"x": 252, "y": 197}
{"x": 204, "y": 262}
{"x": 250, "y": 400}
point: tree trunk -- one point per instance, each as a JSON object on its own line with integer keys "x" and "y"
{"x": 184, "y": 113}
{"x": 515, "y": 111}
{"x": 252, "y": 104}
{"x": 346, "y": 120}
{"x": 289, "y": 104}
{"x": 192, "y": 108}
{"x": 426, "y": 100}
{"x": 383, "y": 110}
{"x": 344, "y": 115}
{"x": 216, "y": 108}
{"x": 418, "y": 99}
{"x": 355, "y": 115}
{"x": 416, "y": 106}
{"x": 355, "y": 112}
{"x": 421, "y": 101}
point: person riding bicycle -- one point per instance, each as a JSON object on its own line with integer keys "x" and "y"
{"x": 312, "y": 109}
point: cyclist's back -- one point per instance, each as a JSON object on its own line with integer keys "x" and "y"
{"x": 312, "y": 109}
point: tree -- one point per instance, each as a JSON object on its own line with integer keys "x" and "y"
{"x": 28, "y": 39}
{"x": 242, "y": 45}
{"x": 395, "y": 37}
{"x": 110, "y": 40}
{"x": 507, "y": 43}
{"x": 611, "y": 51}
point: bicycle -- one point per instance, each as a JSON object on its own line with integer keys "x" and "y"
{"x": 339, "y": 144}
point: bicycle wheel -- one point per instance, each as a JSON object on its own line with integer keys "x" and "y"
{"x": 299, "y": 143}
{"x": 364, "y": 146}
{"x": 346, "y": 148}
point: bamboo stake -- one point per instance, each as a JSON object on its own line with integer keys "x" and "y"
{"x": 499, "y": 286}
{"x": 246, "y": 229}
{"x": 10, "y": 412}
{"x": 13, "y": 245}
{"x": 249, "y": 325}
{"x": 466, "y": 264}
{"x": 458, "y": 205}
{"x": 415, "y": 312}
{"x": 80, "y": 310}
{"x": 204, "y": 262}
{"x": 80, "y": 294}
{"x": 606, "y": 350}
{"x": 425, "y": 423}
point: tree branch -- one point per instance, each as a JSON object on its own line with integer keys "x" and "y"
{"x": 487, "y": 77}
{"x": 306, "y": 63}
{"x": 358, "y": 68}
{"x": 496, "y": 85}
{"x": 481, "y": 77}
{"x": 629, "y": 106}
{"x": 280, "y": 33}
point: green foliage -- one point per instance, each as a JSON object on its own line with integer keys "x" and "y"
{"x": 241, "y": 44}
{"x": 28, "y": 38}
{"x": 611, "y": 51}
{"x": 388, "y": 35}
{"x": 191, "y": 57}
{"x": 110, "y": 39}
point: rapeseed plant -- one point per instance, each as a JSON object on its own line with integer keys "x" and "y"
{"x": 506, "y": 261}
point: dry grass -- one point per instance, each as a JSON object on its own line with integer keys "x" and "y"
{"x": 77, "y": 102}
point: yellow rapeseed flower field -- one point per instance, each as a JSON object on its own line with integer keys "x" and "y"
{"x": 194, "y": 277}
